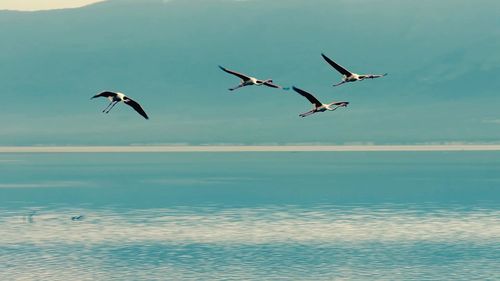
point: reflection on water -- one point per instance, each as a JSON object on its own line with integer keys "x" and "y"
{"x": 251, "y": 216}
{"x": 321, "y": 243}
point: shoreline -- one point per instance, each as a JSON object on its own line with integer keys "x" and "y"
{"x": 245, "y": 148}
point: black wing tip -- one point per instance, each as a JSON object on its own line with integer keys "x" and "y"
{"x": 103, "y": 94}
{"x": 143, "y": 114}
{"x": 298, "y": 90}
{"x": 326, "y": 58}
{"x": 97, "y": 96}
{"x": 221, "y": 67}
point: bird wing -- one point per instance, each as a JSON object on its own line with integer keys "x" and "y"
{"x": 272, "y": 85}
{"x": 105, "y": 94}
{"x": 338, "y": 67}
{"x": 242, "y": 76}
{"x": 341, "y": 103}
{"x": 136, "y": 106}
{"x": 308, "y": 96}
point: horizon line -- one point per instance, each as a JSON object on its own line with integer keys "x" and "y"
{"x": 247, "y": 148}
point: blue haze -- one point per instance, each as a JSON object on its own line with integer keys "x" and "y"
{"x": 442, "y": 58}
{"x": 250, "y": 216}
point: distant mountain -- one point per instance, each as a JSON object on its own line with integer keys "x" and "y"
{"x": 442, "y": 58}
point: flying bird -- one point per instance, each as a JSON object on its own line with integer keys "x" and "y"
{"x": 248, "y": 80}
{"x": 119, "y": 97}
{"x": 318, "y": 106}
{"x": 348, "y": 76}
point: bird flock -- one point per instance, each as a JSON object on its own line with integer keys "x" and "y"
{"x": 347, "y": 77}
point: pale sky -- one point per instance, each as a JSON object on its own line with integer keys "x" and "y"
{"x": 33, "y": 5}
{"x": 439, "y": 88}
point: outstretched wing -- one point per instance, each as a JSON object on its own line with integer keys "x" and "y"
{"x": 341, "y": 103}
{"x": 136, "y": 106}
{"x": 308, "y": 96}
{"x": 242, "y": 76}
{"x": 338, "y": 67}
{"x": 272, "y": 85}
{"x": 105, "y": 94}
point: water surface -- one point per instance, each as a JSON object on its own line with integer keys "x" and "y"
{"x": 250, "y": 216}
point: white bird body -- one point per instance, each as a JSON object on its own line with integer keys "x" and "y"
{"x": 318, "y": 106}
{"x": 325, "y": 107}
{"x": 348, "y": 76}
{"x": 251, "y": 81}
{"x": 117, "y": 97}
{"x": 329, "y": 106}
{"x": 354, "y": 77}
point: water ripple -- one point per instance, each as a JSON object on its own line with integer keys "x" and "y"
{"x": 272, "y": 243}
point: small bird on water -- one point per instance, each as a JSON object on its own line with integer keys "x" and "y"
{"x": 77, "y": 218}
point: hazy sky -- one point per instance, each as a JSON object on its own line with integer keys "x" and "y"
{"x": 441, "y": 85}
{"x": 33, "y": 5}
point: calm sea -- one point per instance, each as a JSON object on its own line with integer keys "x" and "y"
{"x": 250, "y": 216}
